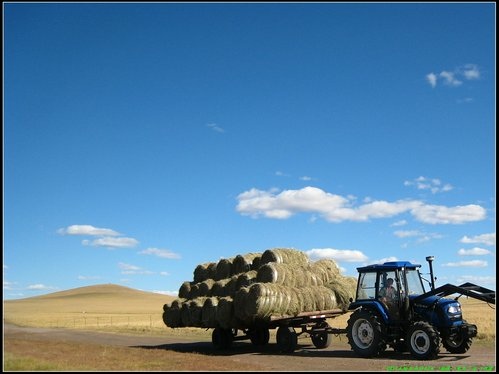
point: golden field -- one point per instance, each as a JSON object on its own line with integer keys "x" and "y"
{"x": 110, "y": 307}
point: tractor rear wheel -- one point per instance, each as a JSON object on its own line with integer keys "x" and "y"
{"x": 365, "y": 333}
{"x": 423, "y": 341}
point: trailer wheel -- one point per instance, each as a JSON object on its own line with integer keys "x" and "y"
{"x": 423, "y": 341}
{"x": 365, "y": 334}
{"x": 287, "y": 340}
{"x": 457, "y": 344}
{"x": 222, "y": 338}
{"x": 321, "y": 339}
{"x": 259, "y": 336}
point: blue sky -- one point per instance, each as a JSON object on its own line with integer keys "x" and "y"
{"x": 142, "y": 139}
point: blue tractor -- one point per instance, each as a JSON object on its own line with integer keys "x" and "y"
{"x": 393, "y": 309}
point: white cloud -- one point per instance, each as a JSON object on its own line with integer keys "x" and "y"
{"x": 432, "y": 79}
{"x": 482, "y": 280}
{"x": 164, "y": 253}
{"x": 438, "y": 214}
{"x": 306, "y": 178}
{"x": 450, "y": 79}
{"x": 477, "y": 251}
{"x": 432, "y": 184}
{"x": 88, "y": 277}
{"x": 112, "y": 242}
{"x": 399, "y": 223}
{"x": 336, "y": 208}
{"x": 406, "y": 233}
{"x": 386, "y": 259}
{"x": 347, "y": 255}
{"x": 215, "y": 127}
{"x": 471, "y": 263}
{"x": 40, "y": 287}
{"x": 470, "y": 71}
{"x": 454, "y": 78}
{"x": 167, "y": 293}
{"x": 132, "y": 269}
{"x": 86, "y": 230}
{"x": 487, "y": 239}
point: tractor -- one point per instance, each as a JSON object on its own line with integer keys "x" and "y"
{"x": 410, "y": 319}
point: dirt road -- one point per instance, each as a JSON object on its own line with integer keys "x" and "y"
{"x": 338, "y": 357}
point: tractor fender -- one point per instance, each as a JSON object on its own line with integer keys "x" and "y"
{"x": 373, "y": 305}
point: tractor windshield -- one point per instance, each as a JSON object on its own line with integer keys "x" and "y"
{"x": 414, "y": 284}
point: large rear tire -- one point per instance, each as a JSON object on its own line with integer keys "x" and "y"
{"x": 365, "y": 333}
{"x": 423, "y": 341}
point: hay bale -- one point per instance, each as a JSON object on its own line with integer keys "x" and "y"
{"x": 292, "y": 275}
{"x": 224, "y": 269}
{"x": 284, "y": 255}
{"x": 326, "y": 269}
{"x": 184, "y": 291}
{"x": 255, "y": 265}
{"x": 205, "y": 287}
{"x": 262, "y": 300}
{"x": 194, "y": 291}
{"x": 203, "y": 272}
{"x": 224, "y": 287}
{"x": 245, "y": 280}
{"x": 344, "y": 288}
{"x": 171, "y": 316}
{"x": 226, "y": 317}
{"x": 244, "y": 263}
{"x": 209, "y": 312}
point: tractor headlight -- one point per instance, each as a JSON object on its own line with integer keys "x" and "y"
{"x": 454, "y": 311}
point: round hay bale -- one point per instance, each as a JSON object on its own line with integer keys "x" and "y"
{"x": 195, "y": 307}
{"x": 185, "y": 290}
{"x": 224, "y": 269}
{"x": 226, "y": 318}
{"x": 344, "y": 288}
{"x": 239, "y": 305}
{"x": 205, "y": 287}
{"x": 326, "y": 269}
{"x": 202, "y": 272}
{"x": 300, "y": 275}
{"x": 246, "y": 279}
{"x": 284, "y": 255}
{"x": 171, "y": 315}
{"x": 255, "y": 265}
{"x": 219, "y": 289}
{"x": 243, "y": 263}
{"x": 194, "y": 292}
{"x": 209, "y": 312}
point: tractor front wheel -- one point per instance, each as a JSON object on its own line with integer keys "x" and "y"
{"x": 423, "y": 341}
{"x": 457, "y": 344}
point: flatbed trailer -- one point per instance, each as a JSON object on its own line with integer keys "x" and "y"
{"x": 288, "y": 328}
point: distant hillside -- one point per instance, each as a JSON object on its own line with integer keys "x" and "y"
{"x": 103, "y": 298}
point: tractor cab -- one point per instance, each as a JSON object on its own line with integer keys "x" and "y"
{"x": 391, "y": 284}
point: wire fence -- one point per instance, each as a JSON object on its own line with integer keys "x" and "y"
{"x": 135, "y": 321}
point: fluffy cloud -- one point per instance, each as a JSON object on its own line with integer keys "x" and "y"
{"x": 336, "y": 208}
{"x": 109, "y": 242}
{"x": 132, "y": 269}
{"x": 86, "y": 230}
{"x": 347, "y": 255}
{"x": 454, "y": 78}
{"x": 164, "y": 253}
{"x": 432, "y": 184}
{"x": 487, "y": 239}
{"x": 473, "y": 252}
{"x": 471, "y": 263}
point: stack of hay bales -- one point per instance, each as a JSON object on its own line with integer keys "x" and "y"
{"x": 234, "y": 292}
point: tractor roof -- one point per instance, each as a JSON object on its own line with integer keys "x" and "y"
{"x": 392, "y": 265}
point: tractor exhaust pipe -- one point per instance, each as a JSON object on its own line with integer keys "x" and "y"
{"x": 430, "y": 260}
